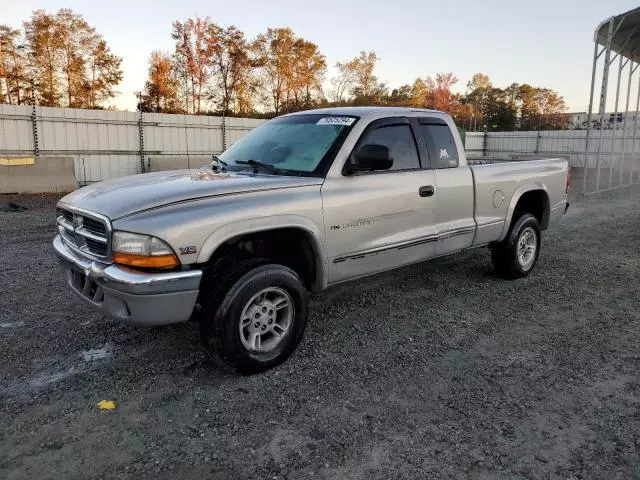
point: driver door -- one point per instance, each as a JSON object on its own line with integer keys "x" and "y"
{"x": 379, "y": 220}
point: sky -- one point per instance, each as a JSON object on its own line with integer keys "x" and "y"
{"x": 544, "y": 43}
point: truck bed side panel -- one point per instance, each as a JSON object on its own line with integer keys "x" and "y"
{"x": 499, "y": 186}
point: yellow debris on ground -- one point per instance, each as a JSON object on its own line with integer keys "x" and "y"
{"x": 107, "y": 405}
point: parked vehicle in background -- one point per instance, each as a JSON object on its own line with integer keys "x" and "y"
{"x": 305, "y": 201}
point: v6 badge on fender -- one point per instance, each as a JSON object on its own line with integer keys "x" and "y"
{"x": 188, "y": 250}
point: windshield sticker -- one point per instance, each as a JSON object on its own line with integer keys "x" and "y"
{"x": 444, "y": 153}
{"x": 346, "y": 121}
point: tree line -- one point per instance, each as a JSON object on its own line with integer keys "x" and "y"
{"x": 56, "y": 60}
{"x": 60, "y": 60}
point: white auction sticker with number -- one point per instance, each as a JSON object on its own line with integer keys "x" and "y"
{"x": 346, "y": 121}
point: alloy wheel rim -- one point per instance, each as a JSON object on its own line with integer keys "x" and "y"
{"x": 527, "y": 247}
{"x": 266, "y": 320}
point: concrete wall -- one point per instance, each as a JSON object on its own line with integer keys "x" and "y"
{"x": 45, "y": 175}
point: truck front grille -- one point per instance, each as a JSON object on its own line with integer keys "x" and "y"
{"x": 86, "y": 232}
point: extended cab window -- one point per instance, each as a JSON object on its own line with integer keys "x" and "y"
{"x": 400, "y": 142}
{"x": 443, "y": 152}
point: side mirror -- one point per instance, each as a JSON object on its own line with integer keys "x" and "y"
{"x": 372, "y": 157}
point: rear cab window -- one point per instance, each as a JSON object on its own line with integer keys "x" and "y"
{"x": 443, "y": 152}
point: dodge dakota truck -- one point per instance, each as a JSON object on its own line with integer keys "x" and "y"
{"x": 303, "y": 202}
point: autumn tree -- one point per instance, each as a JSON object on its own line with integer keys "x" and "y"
{"x": 441, "y": 97}
{"x": 481, "y": 97}
{"x": 292, "y": 69}
{"x": 420, "y": 93}
{"x": 401, "y": 97}
{"x": 233, "y": 63}
{"x": 161, "y": 89}
{"x": 13, "y": 84}
{"x": 366, "y": 82}
{"x": 193, "y": 58}
{"x": 479, "y": 81}
{"x": 275, "y": 58}
{"x": 103, "y": 74}
{"x": 70, "y": 61}
{"x": 44, "y": 48}
{"x": 307, "y": 73}
{"x": 357, "y": 78}
{"x": 343, "y": 82}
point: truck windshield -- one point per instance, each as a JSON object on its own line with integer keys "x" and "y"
{"x": 295, "y": 145}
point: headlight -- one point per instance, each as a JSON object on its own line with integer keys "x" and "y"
{"x": 137, "y": 250}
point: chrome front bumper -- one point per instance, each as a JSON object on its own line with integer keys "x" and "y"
{"x": 136, "y": 297}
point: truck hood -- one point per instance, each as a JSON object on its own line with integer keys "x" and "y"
{"x": 125, "y": 196}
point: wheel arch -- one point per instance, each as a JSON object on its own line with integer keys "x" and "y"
{"x": 288, "y": 224}
{"x": 531, "y": 198}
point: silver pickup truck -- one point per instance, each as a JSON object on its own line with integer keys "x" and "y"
{"x": 305, "y": 201}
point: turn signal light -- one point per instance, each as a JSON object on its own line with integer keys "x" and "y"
{"x": 143, "y": 261}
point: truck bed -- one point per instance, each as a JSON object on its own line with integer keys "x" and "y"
{"x": 500, "y": 182}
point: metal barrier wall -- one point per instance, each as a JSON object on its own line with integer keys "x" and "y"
{"x": 611, "y": 159}
{"x": 106, "y": 144}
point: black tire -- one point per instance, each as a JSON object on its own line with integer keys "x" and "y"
{"x": 504, "y": 255}
{"x": 220, "y": 324}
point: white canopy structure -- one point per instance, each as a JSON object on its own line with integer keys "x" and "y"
{"x": 618, "y": 38}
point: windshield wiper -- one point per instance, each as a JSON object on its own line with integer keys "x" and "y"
{"x": 256, "y": 164}
{"x": 221, "y": 164}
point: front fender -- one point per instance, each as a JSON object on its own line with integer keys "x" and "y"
{"x": 260, "y": 224}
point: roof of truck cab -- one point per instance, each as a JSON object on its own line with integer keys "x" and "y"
{"x": 363, "y": 111}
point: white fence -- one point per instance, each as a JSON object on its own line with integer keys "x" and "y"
{"x": 564, "y": 143}
{"x": 108, "y": 144}
{"x": 612, "y": 160}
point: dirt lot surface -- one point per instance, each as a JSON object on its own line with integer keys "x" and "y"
{"x": 439, "y": 370}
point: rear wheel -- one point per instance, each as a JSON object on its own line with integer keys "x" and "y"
{"x": 259, "y": 320}
{"x": 517, "y": 254}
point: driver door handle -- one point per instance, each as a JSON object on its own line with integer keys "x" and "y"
{"x": 426, "y": 191}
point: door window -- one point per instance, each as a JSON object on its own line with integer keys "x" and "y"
{"x": 400, "y": 142}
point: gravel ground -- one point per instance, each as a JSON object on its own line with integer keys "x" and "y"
{"x": 438, "y": 370}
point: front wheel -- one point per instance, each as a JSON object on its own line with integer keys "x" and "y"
{"x": 259, "y": 321}
{"x": 517, "y": 254}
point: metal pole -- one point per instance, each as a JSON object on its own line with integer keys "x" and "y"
{"x": 586, "y": 145}
{"x": 141, "y": 132}
{"x": 603, "y": 97}
{"x": 34, "y": 121}
{"x": 624, "y": 125}
{"x": 615, "y": 121}
{"x": 485, "y": 142}
{"x": 141, "y": 136}
{"x": 635, "y": 129}
{"x": 224, "y": 133}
